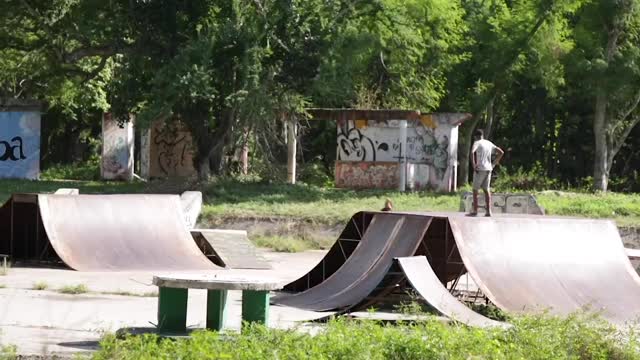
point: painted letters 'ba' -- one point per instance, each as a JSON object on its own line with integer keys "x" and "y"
{"x": 12, "y": 150}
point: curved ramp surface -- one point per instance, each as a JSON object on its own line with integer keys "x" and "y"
{"x": 530, "y": 263}
{"x": 120, "y": 232}
{"x": 388, "y": 236}
{"x": 426, "y": 283}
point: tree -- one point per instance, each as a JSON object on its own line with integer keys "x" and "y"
{"x": 606, "y": 57}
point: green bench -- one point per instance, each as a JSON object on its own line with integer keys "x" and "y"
{"x": 173, "y": 295}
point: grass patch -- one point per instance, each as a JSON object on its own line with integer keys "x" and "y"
{"x": 74, "y": 289}
{"x": 280, "y": 243}
{"x": 130, "y": 293}
{"x": 575, "y": 337}
{"x": 316, "y": 204}
{"x": 40, "y": 285}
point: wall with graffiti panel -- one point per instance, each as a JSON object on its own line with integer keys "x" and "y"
{"x": 117, "y": 149}
{"x": 167, "y": 151}
{"x": 431, "y": 152}
{"x": 20, "y": 144}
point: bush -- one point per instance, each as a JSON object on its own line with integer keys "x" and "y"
{"x": 89, "y": 170}
{"x": 523, "y": 180}
{"x": 315, "y": 173}
{"x": 534, "y": 337}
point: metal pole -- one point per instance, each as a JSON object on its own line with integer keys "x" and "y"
{"x": 403, "y": 155}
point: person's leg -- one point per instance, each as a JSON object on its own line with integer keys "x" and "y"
{"x": 487, "y": 199}
{"x": 487, "y": 193}
{"x": 474, "y": 211}
{"x": 476, "y": 187}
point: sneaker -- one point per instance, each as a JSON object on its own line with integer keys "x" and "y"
{"x": 488, "y": 214}
{"x": 472, "y": 214}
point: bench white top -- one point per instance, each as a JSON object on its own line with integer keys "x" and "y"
{"x": 211, "y": 281}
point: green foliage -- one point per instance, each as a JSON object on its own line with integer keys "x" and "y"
{"x": 8, "y": 352}
{"x": 490, "y": 311}
{"x": 522, "y": 180}
{"x": 74, "y": 289}
{"x": 87, "y": 171}
{"x": 315, "y": 173}
{"x": 535, "y": 337}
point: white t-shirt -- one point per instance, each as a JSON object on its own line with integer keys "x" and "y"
{"x": 483, "y": 149}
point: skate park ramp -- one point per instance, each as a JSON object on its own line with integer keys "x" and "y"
{"x": 438, "y": 246}
{"x": 526, "y": 264}
{"x": 100, "y": 232}
{"x": 229, "y": 249}
{"x": 428, "y": 286}
{"x": 522, "y": 263}
{"x": 387, "y": 236}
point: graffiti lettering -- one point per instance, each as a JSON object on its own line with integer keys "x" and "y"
{"x": 9, "y": 150}
{"x": 173, "y": 145}
{"x": 354, "y": 146}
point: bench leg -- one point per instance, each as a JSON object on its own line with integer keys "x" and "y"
{"x": 255, "y": 306}
{"x": 172, "y": 310}
{"x": 216, "y": 309}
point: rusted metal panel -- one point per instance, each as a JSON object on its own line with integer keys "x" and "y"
{"x": 120, "y": 232}
{"x": 389, "y": 235}
{"x": 355, "y": 114}
{"x": 367, "y": 175}
{"x": 525, "y": 264}
{"x": 422, "y": 278}
{"x": 381, "y": 229}
{"x": 350, "y": 239}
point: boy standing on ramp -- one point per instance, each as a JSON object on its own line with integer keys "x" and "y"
{"x": 481, "y": 158}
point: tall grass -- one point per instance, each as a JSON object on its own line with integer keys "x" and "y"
{"x": 575, "y": 337}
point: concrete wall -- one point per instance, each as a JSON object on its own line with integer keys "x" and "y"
{"x": 167, "y": 151}
{"x": 117, "y": 149}
{"x": 374, "y": 148}
{"x": 19, "y": 141}
{"x": 503, "y": 203}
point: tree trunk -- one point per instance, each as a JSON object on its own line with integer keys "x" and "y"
{"x": 204, "y": 171}
{"x": 600, "y": 166}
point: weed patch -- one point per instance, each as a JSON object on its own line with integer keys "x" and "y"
{"x": 535, "y": 337}
{"x": 74, "y": 289}
{"x": 40, "y": 285}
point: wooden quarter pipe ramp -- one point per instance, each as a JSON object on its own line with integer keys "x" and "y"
{"x": 100, "y": 232}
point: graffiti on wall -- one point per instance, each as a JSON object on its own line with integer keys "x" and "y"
{"x": 117, "y": 149}
{"x": 19, "y": 144}
{"x": 381, "y": 142}
{"x": 171, "y": 150}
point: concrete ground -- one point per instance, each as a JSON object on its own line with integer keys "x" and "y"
{"x": 46, "y": 322}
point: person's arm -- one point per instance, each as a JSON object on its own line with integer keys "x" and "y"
{"x": 499, "y": 156}
{"x": 474, "y": 161}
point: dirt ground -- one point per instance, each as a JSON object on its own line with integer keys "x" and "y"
{"x": 46, "y": 322}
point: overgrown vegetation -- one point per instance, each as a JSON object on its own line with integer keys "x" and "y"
{"x": 534, "y": 337}
{"x": 8, "y": 352}
{"x": 74, "y": 289}
{"x": 40, "y": 285}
